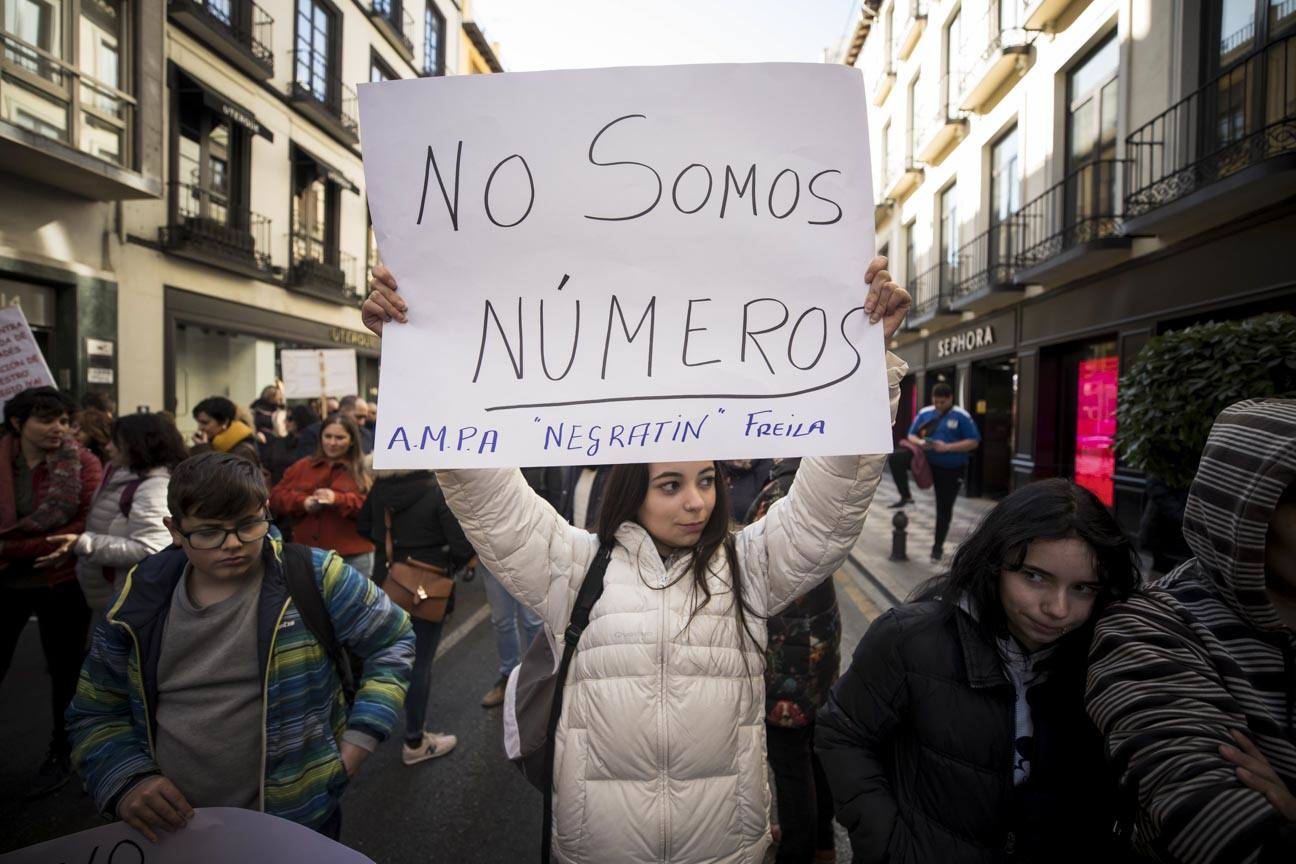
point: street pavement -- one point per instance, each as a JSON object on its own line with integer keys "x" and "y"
{"x": 471, "y": 805}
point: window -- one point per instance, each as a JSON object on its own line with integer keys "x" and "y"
{"x": 953, "y": 63}
{"x": 1005, "y": 195}
{"x": 1092, "y": 93}
{"x": 913, "y": 115}
{"x": 379, "y": 71}
{"x": 888, "y": 38}
{"x": 211, "y": 171}
{"x": 316, "y": 55}
{"x": 910, "y": 261}
{"x": 887, "y": 174}
{"x": 433, "y": 40}
{"x": 39, "y": 81}
{"x": 372, "y": 258}
{"x": 316, "y": 204}
{"x": 949, "y": 236}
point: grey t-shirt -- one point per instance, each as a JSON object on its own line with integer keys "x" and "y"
{"x": 209, "y": 698}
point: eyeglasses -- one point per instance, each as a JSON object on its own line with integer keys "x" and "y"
{"x": 213, "y": 536}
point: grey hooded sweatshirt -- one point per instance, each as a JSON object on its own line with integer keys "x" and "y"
{"x": 1203, "y": 651}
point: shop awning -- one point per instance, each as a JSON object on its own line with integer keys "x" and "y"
{"x": 333, "y": 175}
{"x": 225, "y": 107}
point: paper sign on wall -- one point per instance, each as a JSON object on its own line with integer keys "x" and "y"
{"x": 216, "y": 835}
{"x": 21, "y": 363}
{"x": 314, "y": 373}
{"x": 626, "y": 265}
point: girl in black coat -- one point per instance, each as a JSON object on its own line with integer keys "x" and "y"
{"x": 424, "y": 529}
{"x": 959, "y": 732}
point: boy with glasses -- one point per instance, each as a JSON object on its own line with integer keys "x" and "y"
{"x": 205, "y": 686}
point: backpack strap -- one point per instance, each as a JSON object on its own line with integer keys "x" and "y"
{"x": 590, "y": 591}
{"x": 299, "y": 574}
{"x": 127, "y": 499}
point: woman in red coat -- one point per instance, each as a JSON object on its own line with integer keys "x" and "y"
{"x": 323, "y": 493}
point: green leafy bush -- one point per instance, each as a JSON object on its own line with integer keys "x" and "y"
{"x": 1180, "y": 381}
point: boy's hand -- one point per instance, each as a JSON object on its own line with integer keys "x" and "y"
{"x": 352, "y": 757}
{"x": 154, "y": 803}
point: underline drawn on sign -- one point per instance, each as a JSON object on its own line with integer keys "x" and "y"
{"x": 787, "y": 395}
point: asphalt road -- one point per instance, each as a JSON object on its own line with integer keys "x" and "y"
{"x": 469, "y": 806}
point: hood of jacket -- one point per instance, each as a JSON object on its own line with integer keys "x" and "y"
{"x": 400, "y": 490}
{"x": 1248, "y": 461}
{"x": 235, "y": 434}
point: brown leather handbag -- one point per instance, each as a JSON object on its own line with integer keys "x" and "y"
{"x": 422, "y": 590}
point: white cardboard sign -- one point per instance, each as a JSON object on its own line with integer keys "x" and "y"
{"x": 21, "y": 363}
{"x": 216, "y": 835}
{"x": 311, "y": 373}
{"x": 625, "y": 265}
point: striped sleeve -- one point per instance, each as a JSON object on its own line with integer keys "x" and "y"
{"x": 109, "y": 748}
{"x": 1164, "y": 710}
{"x": 370, "y": 625}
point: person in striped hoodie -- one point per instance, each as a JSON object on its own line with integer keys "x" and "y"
{"x": 207, "y": 687}
{"x": 1193, "y": 682}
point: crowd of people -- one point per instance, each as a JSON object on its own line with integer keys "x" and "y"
{"x": 220, "y": 626}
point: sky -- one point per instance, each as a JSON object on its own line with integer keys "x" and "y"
{"x": 580, "y": 34}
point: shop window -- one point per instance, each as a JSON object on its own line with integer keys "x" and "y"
{"x": 1095, "y": 429}
{"x": 317, "y": 50}
{"x": 433, "y": 40}
{"x": 84, "y": 105}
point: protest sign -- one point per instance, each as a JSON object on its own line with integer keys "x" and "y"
{"x": 215, "y": 835}
{"x": 315, "y": 373}
{"x": 625, "y": 265}
{"x": 21, "y": 363}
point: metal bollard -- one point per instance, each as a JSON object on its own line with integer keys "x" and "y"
{"x": 898, "y": 537}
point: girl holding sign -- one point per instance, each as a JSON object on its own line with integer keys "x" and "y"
{"x": 660, "y": 748}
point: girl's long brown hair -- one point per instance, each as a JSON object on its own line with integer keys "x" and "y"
{"x": 353, "y": 458}
{"x": 624, "y": 494}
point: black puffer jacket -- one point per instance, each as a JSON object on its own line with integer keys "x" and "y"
{"x": 917, "y": 743}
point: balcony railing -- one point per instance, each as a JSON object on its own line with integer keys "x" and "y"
{"x": 1081, "y": 208}
{"x": 912, "y": 18}
{"x": 397, "y": 24}
{"x": 993, "y": 50}
{"x": 50, "y": 97}
{"x": 320, "y": 271}
{"x": 986, "y": 262}
{"x": 1242, "y": 117}
{"x": 329, "y": 101}
{"x": 207, "y": 228}
{"x": 885, "y": 81}
{"x": 939, "y": 128}
{"x": 902, "y": 173}
{"x": 243, "y": 26}
{"x": 929, "y": 290}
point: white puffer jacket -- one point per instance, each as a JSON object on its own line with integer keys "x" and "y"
{"x": 660, "y": 752}
{"x": 112, "y": 539}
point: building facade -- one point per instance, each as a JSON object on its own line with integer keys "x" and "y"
{"x": 181, "y": 186}
{"x": 1058, "y": 181}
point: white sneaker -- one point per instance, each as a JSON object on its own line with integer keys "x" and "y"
{"x": 433, "y": 745}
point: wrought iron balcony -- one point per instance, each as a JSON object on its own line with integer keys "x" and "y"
{"x": 327, "y": 101}
{"x": 1045, "y": 14}
{"x": 885, "y": 81}
{"x": 64, "y": 128}
{"x": 997, "y": 51}
{"x": 986, "y": 263}
{"x": 911, "y": 27}
{"x": 321, "y": 272}
{"x": 902, "y": 173}
{"x": 1226, "y": 149}
{"x": 941, "y": 129}
{"x": 1074, "y": 228}
{"x": 204, "y": 227}
{"x": 396, "y": 24}
{"x": 930, "y": 290}
{"x": 239, "y": 30}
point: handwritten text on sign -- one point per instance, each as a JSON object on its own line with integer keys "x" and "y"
{"x": 625, "y": 265}
{"x": 21, "y": 363}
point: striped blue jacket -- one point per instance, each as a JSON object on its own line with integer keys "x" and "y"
{"x": 112, "y": 718}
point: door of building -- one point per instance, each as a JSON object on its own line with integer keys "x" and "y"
{"x": 942, "y": 375}
{"x": 992, "y": 403}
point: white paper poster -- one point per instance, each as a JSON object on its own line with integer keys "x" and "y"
{"x": 625, "y": 265}
{"x": 314, "y": 373}
{"x": 21, "y": 363}
{"x": 216, "y": 835}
